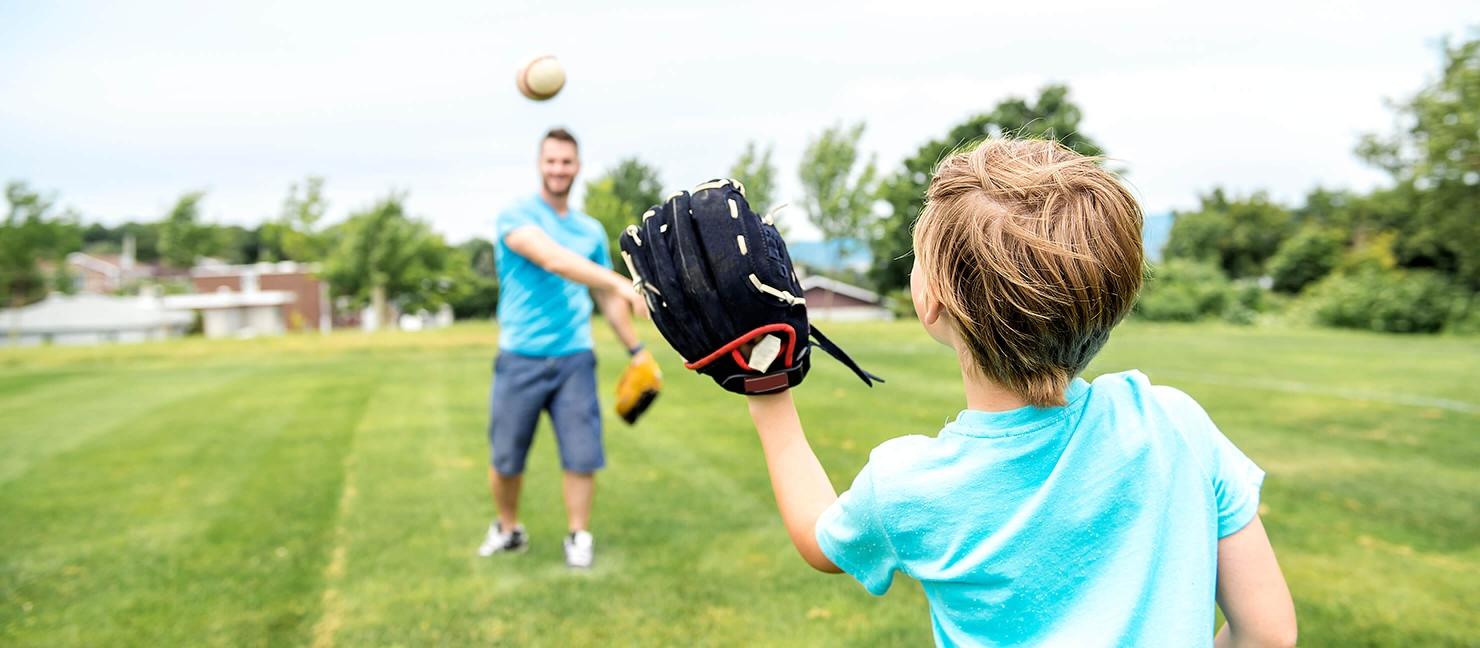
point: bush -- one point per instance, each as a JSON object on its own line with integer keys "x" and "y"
{"x": 1466, "y": 318}
{"x": 1391, "y": 301}
{"x": 479, "y": 302}
{"x": 1181, "y": 290}
{"x": 1304, "y": 258}
{"x": 1246, "y": 301}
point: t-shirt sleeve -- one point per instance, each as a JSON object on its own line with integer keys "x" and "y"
{"x": 511, "y": 219}
{"x": 1236, "y": 478}
{"x": 1236, "y": 483}
{"x": 850, "y": 534}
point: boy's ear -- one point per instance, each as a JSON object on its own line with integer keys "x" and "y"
{"x": 932, "y": 310}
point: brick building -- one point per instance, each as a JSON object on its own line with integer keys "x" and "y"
{"x": 309, "y": 307}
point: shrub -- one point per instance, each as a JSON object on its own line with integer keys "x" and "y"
{"x": 1182, "y": 290}
{"x": 1246, "y": 301}
{"x": 1304, "y": 258}
{"x": 1392, "y": 301}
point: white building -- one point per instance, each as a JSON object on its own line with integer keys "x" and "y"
{"x": 91, "y": 319}
{"x": 227, "y": 313}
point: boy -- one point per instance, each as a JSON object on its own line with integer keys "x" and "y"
{"x": 1051, "y": 511}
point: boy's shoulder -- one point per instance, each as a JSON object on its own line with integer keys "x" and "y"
{"x": 908, "y": 463}
{"x": 1163, "y": 411}
{"x": 1133, "y": 387}
{"x": 900, "y": 451}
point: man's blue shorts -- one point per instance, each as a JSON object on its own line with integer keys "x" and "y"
{"x": 563, "y": 385}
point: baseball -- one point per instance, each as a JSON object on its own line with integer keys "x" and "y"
{"x": 540, "y": 78}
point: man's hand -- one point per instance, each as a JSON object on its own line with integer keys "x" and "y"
{"x": 638, "y": 387}
{"x": 634, "y": 301}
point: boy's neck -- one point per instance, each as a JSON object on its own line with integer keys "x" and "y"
{"x": 983, "y": 394}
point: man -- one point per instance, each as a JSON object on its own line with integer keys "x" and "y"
{"x": 552, "y": 261}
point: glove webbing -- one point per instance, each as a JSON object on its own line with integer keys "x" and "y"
{"x": 837, "y": 352}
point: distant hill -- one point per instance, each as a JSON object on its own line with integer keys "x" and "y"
{"x": 828, "y": 255}
{"x": 1155, "y": 233}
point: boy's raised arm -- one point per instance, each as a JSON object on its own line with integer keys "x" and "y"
{"x": 802, "y": 489}
{"x": 1252, "y": 591}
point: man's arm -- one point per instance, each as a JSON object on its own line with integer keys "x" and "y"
{"x": 802, "y": 489}
{"x": 1252, "y": 592}
{"x": 531, "y": 243}
{"x": 614, "y": 307}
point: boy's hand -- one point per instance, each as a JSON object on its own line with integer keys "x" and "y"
{"x": 718, "y": 276}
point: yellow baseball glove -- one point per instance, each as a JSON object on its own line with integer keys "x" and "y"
{"x": 638, "y": 387}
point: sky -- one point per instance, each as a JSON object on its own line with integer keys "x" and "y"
{"x": 118, "y": 108}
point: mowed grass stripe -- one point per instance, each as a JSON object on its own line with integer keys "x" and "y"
{"x": 416, "y": 516}
{"x": 66, "y": 409}
{"x": 197, "y": 525}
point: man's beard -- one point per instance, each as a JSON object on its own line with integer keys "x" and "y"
{"x": 550, "y": 188}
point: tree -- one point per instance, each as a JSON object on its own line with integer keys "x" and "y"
{"x": 1051, "y": 116}
{"x": 294, "y": 234}
{"x": 838, "y": 200}
{"x": 1435, "y": 160}
{"x": 33, "y": 232}
{"x": 481, "y": 300}
{"x": 236, "y": 244}
{"x": 1239, "y": 235}
{"x": 182, "y": 238}
{"x": 755, "y": 170}
{"x": 384, "y": 257}
{"x": 619, "y": 197}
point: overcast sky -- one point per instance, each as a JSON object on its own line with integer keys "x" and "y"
{"x": 119, "y": 107}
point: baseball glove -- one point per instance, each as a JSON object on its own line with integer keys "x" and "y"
{"x": 638, "y": 387}
{"x": 722, "y": 290}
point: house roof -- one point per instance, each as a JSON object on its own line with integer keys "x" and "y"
{"x": 229, "y": 299}
{"x": 74, "y": 313}
{"x": 215, "y": 268}
{"x": 848, "y": 290}
{"x": 96, "y": 263}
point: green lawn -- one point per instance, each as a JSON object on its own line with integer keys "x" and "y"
{"x": 311, "y": 491}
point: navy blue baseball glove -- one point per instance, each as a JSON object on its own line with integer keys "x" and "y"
{"x": 723, "y": 292}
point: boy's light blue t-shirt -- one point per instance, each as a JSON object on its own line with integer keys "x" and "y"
{"x": 541, "y": 313}
{"x": 1093, "y": 524}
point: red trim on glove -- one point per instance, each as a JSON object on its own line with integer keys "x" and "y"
{"x": 734, "y": 347}
{"x": 740, "y": 360}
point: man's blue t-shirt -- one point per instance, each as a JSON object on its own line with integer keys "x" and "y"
{"x": 541, "y": 313}
{"x": 1093, "y": 524}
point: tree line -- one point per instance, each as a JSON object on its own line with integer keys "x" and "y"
{"x": 1403, "y": 258}
{"x": 379, "y": 256}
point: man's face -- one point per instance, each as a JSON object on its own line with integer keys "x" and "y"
{"x": 559, "y": 164}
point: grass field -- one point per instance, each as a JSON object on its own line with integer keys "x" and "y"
{"x": 331, "y": 491}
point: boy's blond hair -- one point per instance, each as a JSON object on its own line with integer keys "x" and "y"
{"x": 1035, "y": 253}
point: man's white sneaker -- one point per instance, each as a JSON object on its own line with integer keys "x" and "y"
{"x": 580, "y": 550}
{"x": 499, "y": 541}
